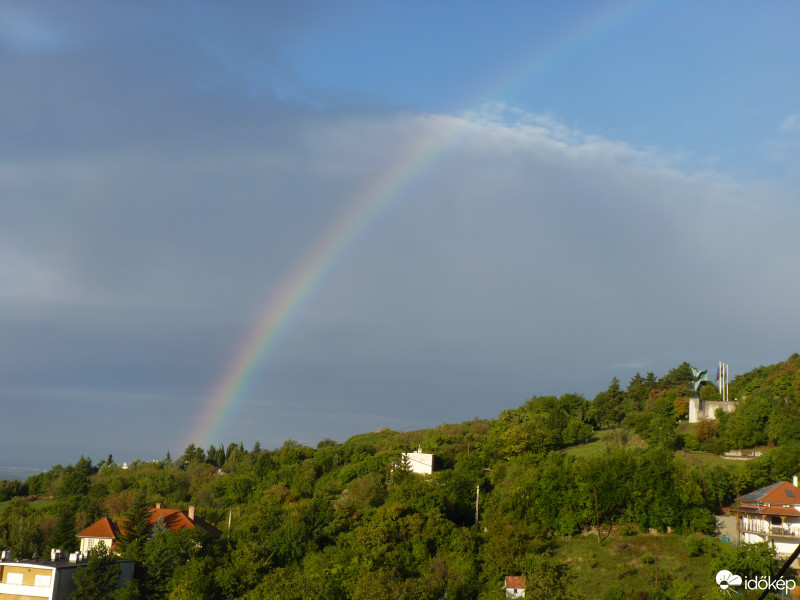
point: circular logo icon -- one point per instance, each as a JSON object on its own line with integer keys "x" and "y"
{"x": 726, "y": 579}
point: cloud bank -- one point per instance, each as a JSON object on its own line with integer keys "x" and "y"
{"x": 153, "y": 202}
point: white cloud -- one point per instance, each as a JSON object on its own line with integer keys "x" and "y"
{"x": 791, "y": 124}
{"x": 26, "y": 32}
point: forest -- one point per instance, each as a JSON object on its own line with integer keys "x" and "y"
{"x": 612, "y": 498}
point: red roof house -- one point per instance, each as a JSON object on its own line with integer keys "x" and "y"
{"x": 515, "y": 586}
{"x": 770, "y": 514}
{"x": 107, "y": 532}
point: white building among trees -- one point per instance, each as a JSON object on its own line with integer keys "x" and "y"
{"x": 419, "y": 461}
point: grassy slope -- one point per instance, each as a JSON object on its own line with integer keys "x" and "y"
{"x": 598, "y": 443}
{"x": 35, "y": 505}
{"x": 630, "y": 563}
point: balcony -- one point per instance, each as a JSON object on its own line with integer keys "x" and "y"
{"x": 786, "y": 531}
{"x": 15, "y": 590}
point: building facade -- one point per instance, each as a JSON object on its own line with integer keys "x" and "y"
{"x": 420, "y": 462}
{"x": 770, "y": 514}
{"x": 34, "y": 580}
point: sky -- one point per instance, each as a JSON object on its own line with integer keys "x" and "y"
{"x": 225, "y": 222}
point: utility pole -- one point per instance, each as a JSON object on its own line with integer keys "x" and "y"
{"x": 596, "y": 512}
{"x": 477, "y": 499}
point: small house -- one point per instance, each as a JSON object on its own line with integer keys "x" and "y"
{"x": 419, "y": 461}
{"x": 515, "y": 586}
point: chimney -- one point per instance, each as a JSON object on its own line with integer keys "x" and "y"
{"x": 191, "y": 512}
{"x": 158, "y": 505}
{"x": 794, "y": 480}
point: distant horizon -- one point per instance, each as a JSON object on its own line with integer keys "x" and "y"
{"x": 33, "y": 469}
{"x": 21, "y": 473}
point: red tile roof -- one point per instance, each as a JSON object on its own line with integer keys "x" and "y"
{"x": 104, "y": 528}
{"x": 174, "y": 519}
{"x": 781, "y": 493}
{"x": 515, "y": 582}
{"x": 786, "y": 511}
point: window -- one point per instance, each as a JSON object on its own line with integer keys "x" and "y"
{"x": 42, "y": 581}
{"x": 14, "y": 578}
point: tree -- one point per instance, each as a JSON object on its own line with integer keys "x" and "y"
{"x": 545, "y": 579}
{"x": 163, "y": 553}
{"x": 194, "y": 581}
{"x": 607, "y": 407}
{"x": 98, "y": 578}
{"x": 403, "y": 469}
{"x": 135, "y": 528}
{"x": 193, "y": 454}
{"x": 75, "y": 480}
{"x": 707, "y": 429}
{"x": 19, "y": 528}
{"x": 63, "y": 536}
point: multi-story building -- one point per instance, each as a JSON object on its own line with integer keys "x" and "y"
{"x": 770, "y": 514}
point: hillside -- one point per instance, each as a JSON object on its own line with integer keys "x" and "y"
{"x": 570, "y": 491}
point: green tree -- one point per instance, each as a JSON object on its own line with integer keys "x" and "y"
{"x": 402, "y": 470}
{"x": 194, "y": 580}
{"x": 63, "y": 535}
{"x": 19, "y": 529}
{"x": 545, "y": 578}
{"x": 164, "y": 552}
{"x": 608, "y": 406}
{"x": 75, "y": 480}
{"x": 98, "y": 578}
{"x": 135, "y": 528}
{"x": 193, "y": 454}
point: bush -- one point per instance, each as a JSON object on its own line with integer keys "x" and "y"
{"x": 694, "y": 546}
{"x": 690, "y": 442}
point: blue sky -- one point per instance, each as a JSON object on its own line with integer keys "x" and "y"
{"x": 609, "y": 188}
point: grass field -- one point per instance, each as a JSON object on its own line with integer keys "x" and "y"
{"x": 35, "y": 505}
{"x": 705, "y": 459}
{"x": 634, "y": 564}
{"x": 603, "y": 440}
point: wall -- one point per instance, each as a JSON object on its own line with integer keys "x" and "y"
{"x": 420, "y": 462}
{"x": 700, "y": 410}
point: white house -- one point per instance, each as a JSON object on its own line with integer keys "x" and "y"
{"x": 770, "y": 514}
{"x": 515, "y": 587}
{"x": 420, "y": 462}
{"x": 104, "y": 531}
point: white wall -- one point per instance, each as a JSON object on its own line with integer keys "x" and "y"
{"x": 420, "y": 462}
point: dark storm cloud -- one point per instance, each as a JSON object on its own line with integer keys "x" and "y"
{"x": 157, "y": 189}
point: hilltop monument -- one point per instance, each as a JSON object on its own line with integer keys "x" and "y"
{"x": 699, "y": 409}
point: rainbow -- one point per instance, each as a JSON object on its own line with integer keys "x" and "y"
{"x": 277, "y": 313}
{"x": 274, "y": 319}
